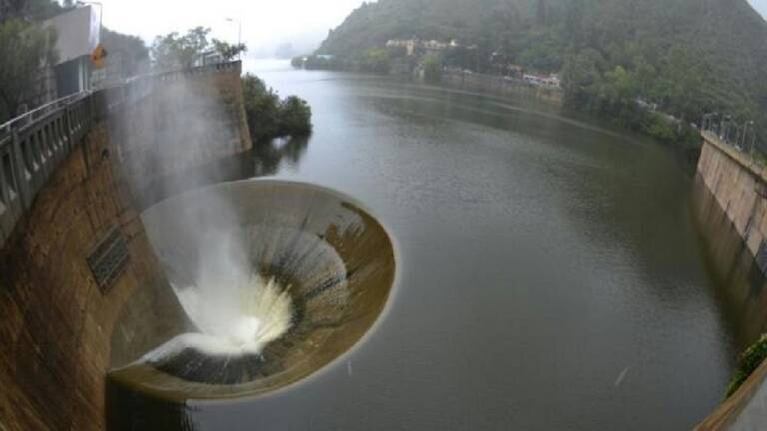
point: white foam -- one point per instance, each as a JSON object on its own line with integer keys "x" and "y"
{"x": 238, "y": 318}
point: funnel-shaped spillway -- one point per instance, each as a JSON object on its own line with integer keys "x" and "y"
{"x": 268, "y": 282}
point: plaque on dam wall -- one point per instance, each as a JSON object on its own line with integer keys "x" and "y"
{"x": 267, "y": 282}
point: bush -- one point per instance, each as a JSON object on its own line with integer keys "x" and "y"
{"x": 748, "y": 363}
{"x": 432, "y": 69}
{"x": 295, "y": 117}
{"x": 261, "y": 108}
{"x": 659, "y": 128}
{"x": 270, "y": 118}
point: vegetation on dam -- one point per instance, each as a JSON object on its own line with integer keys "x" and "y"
{"x": 748, "y": 363}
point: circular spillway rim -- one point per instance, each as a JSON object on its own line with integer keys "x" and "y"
{"x": 177, "y": 396}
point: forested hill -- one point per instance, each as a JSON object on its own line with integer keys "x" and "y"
{"x": 688, "y": 56}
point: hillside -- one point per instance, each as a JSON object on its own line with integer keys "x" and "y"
{"x": 686, "y": 56}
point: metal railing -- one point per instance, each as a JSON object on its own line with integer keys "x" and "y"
{"x": 32, "y": 145}
{"x": 41, "y": 111}
{"x": 30, "y": 151}
{"x": 741, "y": 136}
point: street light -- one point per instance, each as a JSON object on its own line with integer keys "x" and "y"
{"x": 239, "y": 34}
{"x": 753, "y": 132}
{"x": 726, "y": 129}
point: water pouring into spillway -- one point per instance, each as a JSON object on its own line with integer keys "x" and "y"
{"x": 235, "y": 317}
{"x": 267, "y": 282}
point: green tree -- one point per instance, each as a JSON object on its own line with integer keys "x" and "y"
{"x": 268, "y": 117}
{"x": 376, "y": 61}
{"x": 228, "y": 51}
{"x": 33, "y": 10}
{"x": 620, "y": 87}
{"x": 131, "y": 50}
{"x": 261, "y": 108}
{"x": 582, "y": 76}
{"x": 29, "y": 47}
{"x": 295, "y": 117}
{"x": 432, "y": 69}
{"x": 174, "y": 51}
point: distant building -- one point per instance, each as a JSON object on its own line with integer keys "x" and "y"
{"x": 78, "y": 35}
{"x": 413, "y": 46}
{"x": 542, "y": 80}
{"x": 206, "y": 58}
{"x": 409, "y": 45}
{"x": 515, "y": 71}
{"x": 647, "y": 106}
{"x": 434, "y": 45}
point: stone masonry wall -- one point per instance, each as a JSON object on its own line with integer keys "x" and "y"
{"x": 56, "y": 324}
{"x": 54, "y": 320}
{"x": 188, "y": 120}
{"x": 740, "y": 187}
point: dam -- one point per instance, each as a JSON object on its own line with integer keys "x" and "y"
{"x": 452, "y": 260}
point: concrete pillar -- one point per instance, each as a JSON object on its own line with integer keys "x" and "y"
{"x": 20, "y": 172}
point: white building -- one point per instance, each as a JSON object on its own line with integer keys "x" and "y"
{"x": 542, "y": 80}
{"x": 410, "y": 45}
{"x": 413, "y": 45}
{"x": 78, "y": 34}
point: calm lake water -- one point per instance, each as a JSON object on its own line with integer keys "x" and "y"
{"x": 550, "y": 272}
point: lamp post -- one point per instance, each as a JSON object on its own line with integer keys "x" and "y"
{"x": 239, "y": 34}
{"x": 742, "y": 138}
{"x": 753, "y": 132}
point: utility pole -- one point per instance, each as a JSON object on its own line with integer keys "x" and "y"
{"x": 753, "y": 132}
{"x": 742, "y": 140}
{"x": 239, "y": 34}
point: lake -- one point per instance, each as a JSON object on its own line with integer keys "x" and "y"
{"x": 550, "y": 273}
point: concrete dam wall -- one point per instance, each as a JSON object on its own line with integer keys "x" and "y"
{"x": 73, "y": 257}
{"x": 730, "y": 194}
{"x": 739, "y": 185}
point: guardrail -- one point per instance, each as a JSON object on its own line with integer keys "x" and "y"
{"x": 742, "y": 137}
{"x": 32, "y": 146}
{"x": 31, "y": 151}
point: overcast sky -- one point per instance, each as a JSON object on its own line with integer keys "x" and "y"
{"x": 760, "y": 6}
{"x": 265, "y": 23}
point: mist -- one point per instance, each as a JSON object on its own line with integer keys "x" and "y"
{"x": 266, "y": 26}
{"x": 186, "y": 122}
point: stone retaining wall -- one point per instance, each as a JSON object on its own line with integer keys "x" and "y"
{"x": 740, "y": 187}
{"x": 56, "y": 321}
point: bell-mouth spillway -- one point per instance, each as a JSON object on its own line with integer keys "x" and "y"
{"x": 326, "y": 262}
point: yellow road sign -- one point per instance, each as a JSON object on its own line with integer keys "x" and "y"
{"x": 98, "y": 56}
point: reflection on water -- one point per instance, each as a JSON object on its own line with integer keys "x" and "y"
{"x": 265, "y": 159}
{"x": 282, "y": 153}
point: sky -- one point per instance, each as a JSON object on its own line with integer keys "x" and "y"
{"x": 760, "y": 6}
{"x": 266, "y": 24}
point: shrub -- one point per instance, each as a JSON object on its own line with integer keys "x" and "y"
{"x": 270, "y": 118}
{"x": 295, "y": 117}
{"x": 432, "y": 69}
{"x": 749, "y": 361}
